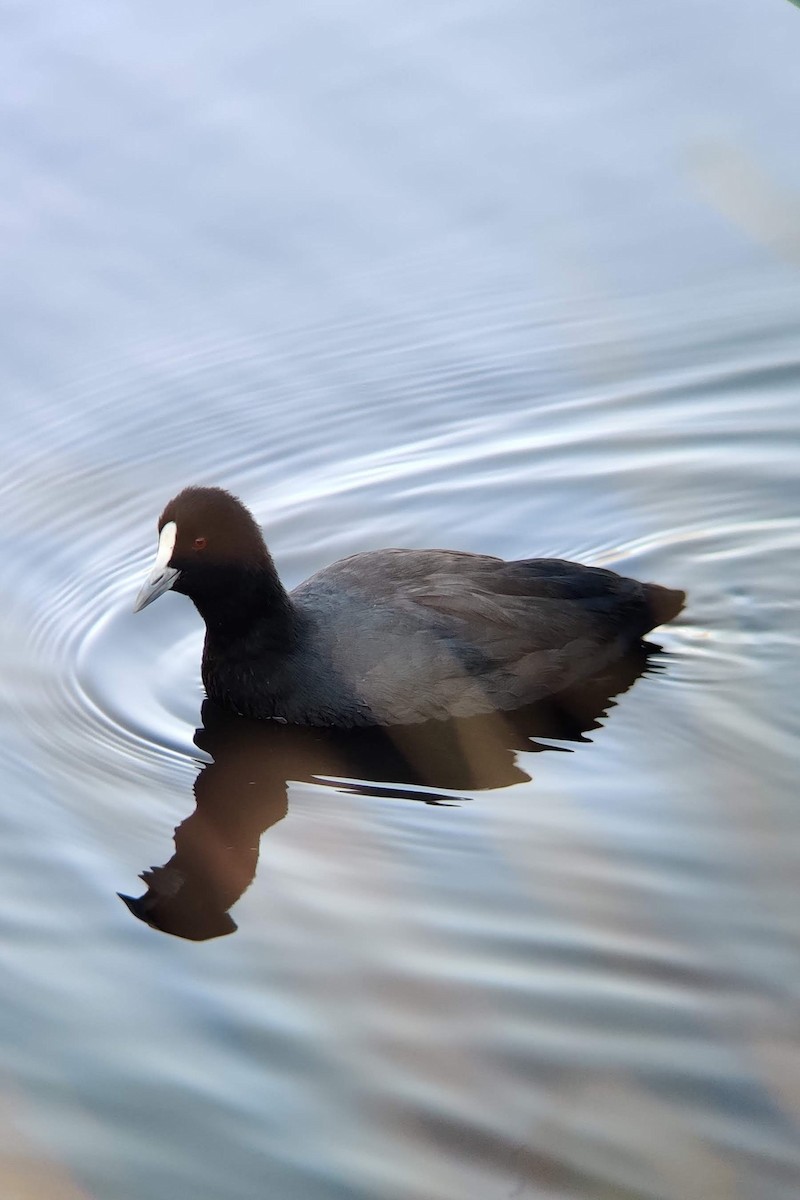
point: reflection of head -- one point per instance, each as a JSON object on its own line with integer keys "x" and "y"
{"x": 177, "y": 914}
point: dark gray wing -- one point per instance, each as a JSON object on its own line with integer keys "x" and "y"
{"x": 446, "y": 633}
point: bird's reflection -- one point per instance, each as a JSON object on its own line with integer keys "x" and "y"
{"x": 243, "y": 791}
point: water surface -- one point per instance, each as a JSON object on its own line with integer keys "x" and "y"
{"x": 506, "y": 279}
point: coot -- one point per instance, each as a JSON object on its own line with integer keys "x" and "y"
{"x": 389, "y": 637}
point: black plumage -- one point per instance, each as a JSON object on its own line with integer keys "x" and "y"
{"x": 390, "y": 636}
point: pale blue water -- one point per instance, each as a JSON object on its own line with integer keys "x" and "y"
{"x": 508, "y": 278}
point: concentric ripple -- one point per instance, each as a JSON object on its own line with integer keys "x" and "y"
{"x": 541, "y": 925}
{"x": 577, "y": 479}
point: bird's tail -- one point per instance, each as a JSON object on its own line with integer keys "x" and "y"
{"x": 664, "y": 603}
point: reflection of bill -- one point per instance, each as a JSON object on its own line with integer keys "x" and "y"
{"x": 243, "y": 791}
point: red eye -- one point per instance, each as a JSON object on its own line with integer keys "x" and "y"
{"x": 200, "y": 543}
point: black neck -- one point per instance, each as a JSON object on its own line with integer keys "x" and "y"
{"x": 236, "y": 600}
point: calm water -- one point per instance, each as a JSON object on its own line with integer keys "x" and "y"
{"x": 512, "y": 278}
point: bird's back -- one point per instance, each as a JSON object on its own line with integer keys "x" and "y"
{"x": 399, "y": 636}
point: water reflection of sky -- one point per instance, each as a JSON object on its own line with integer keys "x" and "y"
{"x": 515, "y": 279}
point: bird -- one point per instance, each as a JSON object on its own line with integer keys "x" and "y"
{"x": 389, "y": 637}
